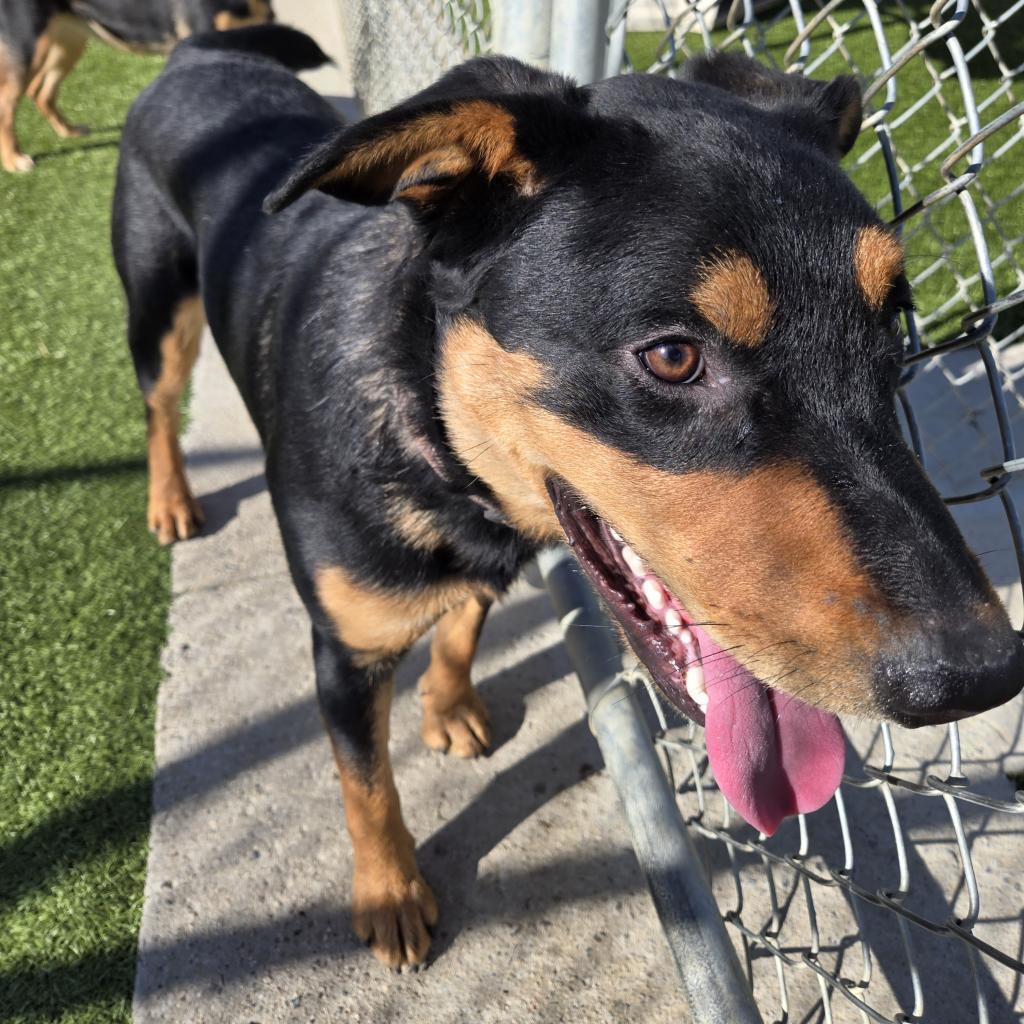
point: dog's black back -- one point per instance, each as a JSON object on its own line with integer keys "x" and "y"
{"x": 237, "y": 120}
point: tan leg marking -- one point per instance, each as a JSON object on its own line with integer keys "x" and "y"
{"x": 57, "y": 52}
{"x": 12, "y": 85}
{"x": 454, "y": 716}
{"x": 173, "y": 513}
{"x": 392, "y": 905}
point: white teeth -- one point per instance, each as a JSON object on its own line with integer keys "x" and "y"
{"x": 687, "y": 637}
{"x": 695, "y": 686}
{"x": 615, "y": 534}
{"x": 654, "y": 595}
{"x": 672, "y": 618}
{"x": 632, "y": 559}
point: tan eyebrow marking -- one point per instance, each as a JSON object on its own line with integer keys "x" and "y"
{"x": 877, "y": 262}
{"x": 733, "y": 297}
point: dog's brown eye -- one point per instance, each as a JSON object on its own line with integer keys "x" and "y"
{"x": 677, "y": 362}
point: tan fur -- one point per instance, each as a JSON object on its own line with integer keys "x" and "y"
{"x": 484, "y": 132}
{"x": 58, "y": 50}
{"x": 454, "y": 716}
{"x": 392, "y": 906}
{"x": 259, "y": 14}
{"x": 12, "y": 84}
{"x": 416, "y": 526}
{"x": 376, "y": 624}
{"x": 450, "y": 163}
{"x": 762, "y": 555}
{"x": 485, "y": 398}
{"x": 173, "y": 513}
{"x": 877, "y": 262}
{"x": 733, "y": 297}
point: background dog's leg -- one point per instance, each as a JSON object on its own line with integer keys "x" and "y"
{"x": 57, "y": 52}
{"x": 12, "y": 85}
{"x": 392, "y": 906}
{"x": 454, "y": 716}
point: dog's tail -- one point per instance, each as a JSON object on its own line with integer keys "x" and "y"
{"x": 288, "y": 46}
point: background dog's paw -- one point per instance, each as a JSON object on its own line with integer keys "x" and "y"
{"x": 73, "y": 131}
{"x": 174, "y": 516}
{"x": 461, "y": 729}
{"x": 19, "y": 164}
{"x": 393, "y": 915}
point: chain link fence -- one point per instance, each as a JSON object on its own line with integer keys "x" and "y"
{"x": 903, "y": 899}
{"x": 398, "y": 47}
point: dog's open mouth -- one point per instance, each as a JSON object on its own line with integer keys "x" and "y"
{"x": 772, "y": 754}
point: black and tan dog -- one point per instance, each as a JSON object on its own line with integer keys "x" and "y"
{"x": 42, "y": 40}
{"x": 651, "y": 315}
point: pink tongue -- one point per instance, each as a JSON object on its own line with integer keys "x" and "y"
{"x": 772, "y": 755}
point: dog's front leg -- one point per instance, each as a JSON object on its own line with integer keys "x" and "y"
{"x": 392, "y": 906}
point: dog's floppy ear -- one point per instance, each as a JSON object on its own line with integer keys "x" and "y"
{"x": 829, "y": 113}
{"x": 491, "y": 116}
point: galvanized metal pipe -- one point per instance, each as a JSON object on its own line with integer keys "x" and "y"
{"x": 712, "y": 978}
{"x": 522, "y": 29}
{"x": 578, "y": 40}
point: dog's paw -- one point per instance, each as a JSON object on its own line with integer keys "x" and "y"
{"x": 392, "y": 911}
{"x": 20, "y": 163}
{"x": 173, "y": 515}
{"x": 460, "y": 728}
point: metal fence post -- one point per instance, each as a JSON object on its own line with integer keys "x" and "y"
{"x": 522, "y": 29}
{"x": 712, "y": 978}
{"x": 578, "y": 39}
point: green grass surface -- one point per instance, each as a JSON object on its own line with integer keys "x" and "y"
{"x": 943, "y": 233}
{"x": 83, "y": 588}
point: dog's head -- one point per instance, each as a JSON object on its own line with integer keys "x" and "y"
{"x": 670, "y": 328}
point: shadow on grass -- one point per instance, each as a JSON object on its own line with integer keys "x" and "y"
{"x": 70, "y": 474}
{"x": 72, "y": 150}
{"x": 39, "y": 992}
{"x": 117, "y": 467}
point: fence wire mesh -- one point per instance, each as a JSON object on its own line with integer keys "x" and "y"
{"x": 398, "y": 47}
{"x": 903, "y": 899}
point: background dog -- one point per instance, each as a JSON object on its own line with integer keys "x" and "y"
{"x": 42, "y": 40}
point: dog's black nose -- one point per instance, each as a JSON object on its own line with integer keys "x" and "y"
{"x": 949, "y": 672}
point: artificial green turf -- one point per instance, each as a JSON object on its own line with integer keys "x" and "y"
{"x": 84, "y": 590}
{"x": 913, "y": 141}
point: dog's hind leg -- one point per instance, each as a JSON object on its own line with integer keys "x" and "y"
{"x": 13, "y": 73}
{"x": 156, "y": 261}
{"x": 172, "y": 512}
{"x": 454, "y": 716}
{"x": 58, "y": 51}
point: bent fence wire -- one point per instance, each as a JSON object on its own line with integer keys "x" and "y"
{"x": 903, "y": 899}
